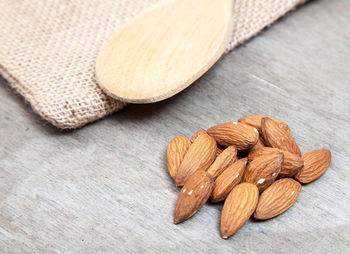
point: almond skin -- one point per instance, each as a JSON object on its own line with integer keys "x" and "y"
{"x": 262, "y": 152}
{"x": 197, "y": 134}
{"x": 316, "y": 164}
{"x": 219, "y": 150}
{"x": 291, "y": 165}
{"x": 238, "y": 207}
{"x": 263, "y": 170}
{"x": 255, "y": 121}
{"x": 193, "y": 195}
{"x": 259, "y": 144}
{"x": 227, "y": 157}
{"x": 175, "y": 153}
{"x": 199, "y": 156}
{"x": 240, "y": 135}
{"x": 227, "y": 180}
{"x": 278, "y": 198}
{"x": 277, "y": 137}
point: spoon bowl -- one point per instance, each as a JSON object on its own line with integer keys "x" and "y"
{"x": 164, "y": 49}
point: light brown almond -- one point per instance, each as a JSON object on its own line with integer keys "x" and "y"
{"x": 316, "y": 164}
{"x": 175, "y": 153}
{"x": 227, "y": 157}
{"x": 278, "y": 198}
{"x": 259, "y": 144}
{"x": 240, "y": 135}
{"x": 197, "y": 134}
{"x": 193, "y": 195}
{"x": 199, "y": 156}
{"x": 255, "y": 121}
{"x": 262, "y": 152}
{"x": 291, "y": 165}
{"x": 238, "y": 207}
{"x": 263, "y": 170}
{"x": 227, "y": 180}
{"x": 277, "y": 137}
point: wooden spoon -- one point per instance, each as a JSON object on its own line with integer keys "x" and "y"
{"x": 164, "y": 49}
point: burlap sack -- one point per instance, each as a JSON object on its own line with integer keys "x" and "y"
{"x": 48, "y": 49}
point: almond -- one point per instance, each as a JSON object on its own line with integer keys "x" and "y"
{"x": 199, "y": 156}
{"x": 228, "y": 156}
{"x": 238, "y": 207}
{"x": 262, "y": 152}
{"x": 197, "y": 134}
{"x": 227, "y": 180}
{"x": 255, "y": 121}
{"x": 259, "y": 144}
{"x": 263, "y": 170}
{"x": 316, "y": 164}
{"x": 291, "y": 165}
{"x": 277, "y": 137}
{"x": 240, "y": 135}
{"x": 193, "y": 195}
{"x": 277, "y": 198}
{"x": 175, "y": 153}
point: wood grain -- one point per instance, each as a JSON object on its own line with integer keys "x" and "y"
{"x": 106, "y": 187}
{"x": 164, "y": 50}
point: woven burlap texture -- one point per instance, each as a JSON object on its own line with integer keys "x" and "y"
{"x": 48, "y": 49}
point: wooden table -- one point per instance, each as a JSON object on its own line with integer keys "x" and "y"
{"x": 105, "y": 187}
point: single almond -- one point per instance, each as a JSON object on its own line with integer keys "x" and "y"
{"x": 175, "y": 153}
{"x": 277, "y": 137}
{"x": 227, "y": 157}
{"x": 255, "y": 121}
{"x": 193, "y": 195}
{"x": 199, "y": 156}
{"x": 238, "y": 207}
{"x": 316, "y": 164}
{"x": 277, "y": 198}
{"x": 197, "y": 134}
{"x": 262, "y": 152}
{"x": 240, "y": 135}
{"x": 259, "y": 144}
{"x": 291, "y": 165}
{"x": 227, "y": 180}
{"x": 263, "y": 170}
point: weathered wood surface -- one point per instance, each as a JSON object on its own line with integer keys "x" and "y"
{"x": 105, "y": 187}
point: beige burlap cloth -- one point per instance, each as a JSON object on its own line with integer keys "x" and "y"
{"x": 48, "y": 49}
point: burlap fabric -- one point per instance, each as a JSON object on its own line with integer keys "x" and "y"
{"x": 48, "y": 49}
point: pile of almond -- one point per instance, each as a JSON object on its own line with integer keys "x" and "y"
{"x": 208, "y": 167}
